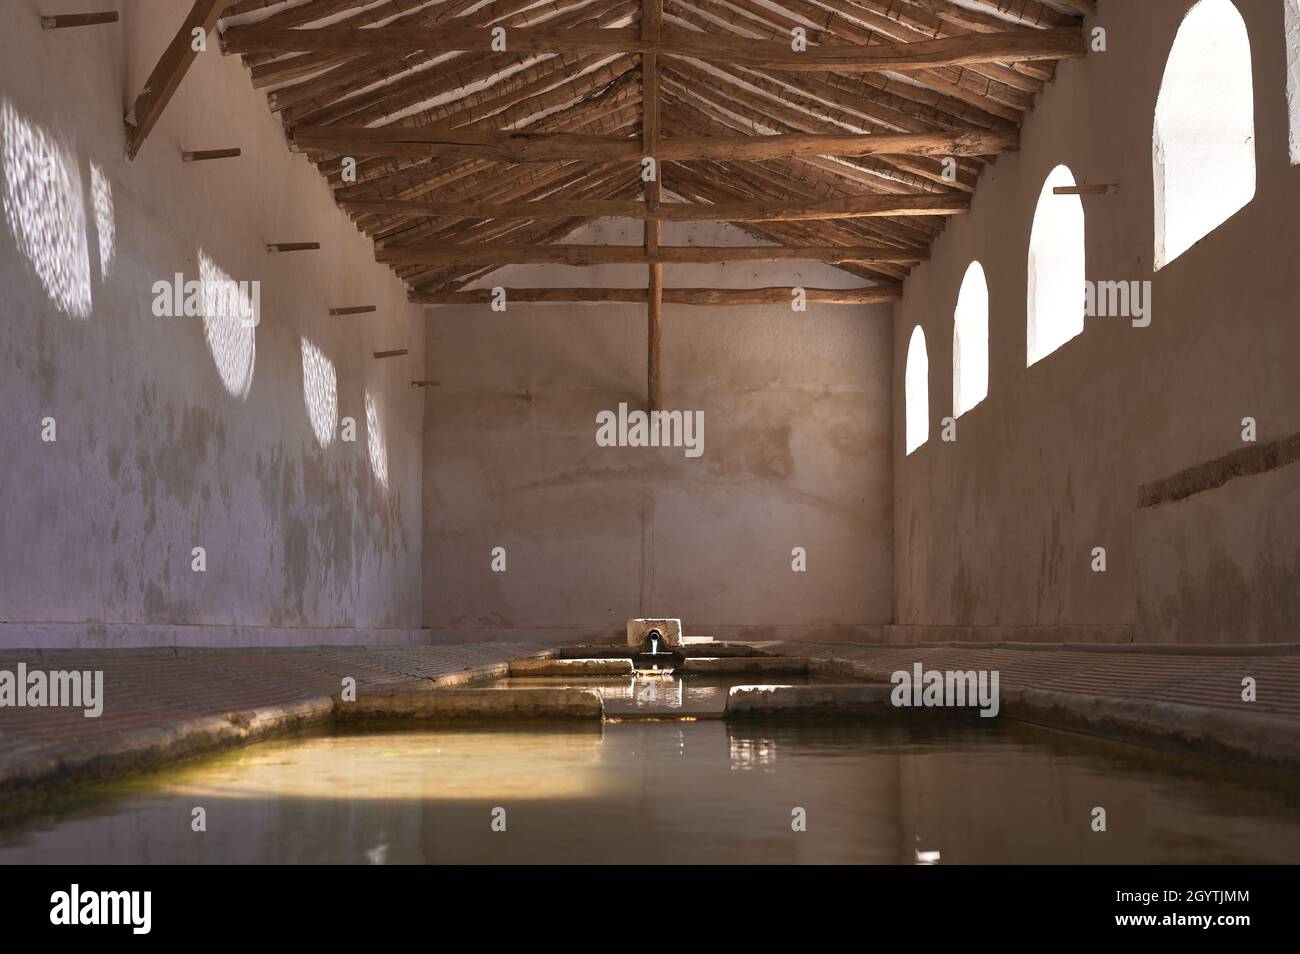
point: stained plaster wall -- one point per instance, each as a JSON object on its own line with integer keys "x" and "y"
{"x": 156, "y": 452}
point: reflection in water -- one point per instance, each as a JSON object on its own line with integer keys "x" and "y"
{"x": 408, "y": 766}
{"x": 919, "y": 792}
{"x": 44, "y": 204}
{"x": 230, "y": 331}
{"x": 101, "y": 191}
{"x": 320, "y": 392}
{"x": 375, "y": 443}
{"x": 750, "y": 754}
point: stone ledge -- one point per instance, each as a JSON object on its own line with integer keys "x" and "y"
{"x": 458, "y": 705}
{"x": 733, "y": 665}
{"x": 155, "y": 747}
{"x": 604, "y": 651}
{"x": 1194, "y": 730}
{"x": 532, "y": 668}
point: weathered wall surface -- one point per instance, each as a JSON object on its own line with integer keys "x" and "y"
{"x": 796, "y": 453}
{"x": 995, "y": 531}
{"x": 170, "y": 434}
{"x": 1223, "y": 565}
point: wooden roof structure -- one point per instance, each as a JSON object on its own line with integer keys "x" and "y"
{"x": 465, "y": 135}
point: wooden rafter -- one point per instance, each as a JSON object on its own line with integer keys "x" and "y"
{"x": 860, "y": 206}
{"x": 852, "y": 152}
{"x": 167, "y": 75}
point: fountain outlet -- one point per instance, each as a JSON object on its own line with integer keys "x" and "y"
{"x": 656, "y": 646}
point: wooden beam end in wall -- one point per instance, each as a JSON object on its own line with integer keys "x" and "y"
{"x": 204, "y": 155}
{"x": 66, "y": 20}
{"x": 1099, "y": 188}
{"x": 275, "y": 247}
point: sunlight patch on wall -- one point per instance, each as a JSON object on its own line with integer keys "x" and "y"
{"x": 1203, "y": 144}
{"x": 320, "y": 392}
{"x": 375, "y": 442}
{"x": 231, "y": 336}
{"x": 44, "y": 205}
{"x": 1056, "y": 269}
{"x": 101, "y": 191}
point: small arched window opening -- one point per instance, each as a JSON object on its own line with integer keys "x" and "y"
{"x": 1203, "y": 144}
{"x": 970, "y": 342}
{"x": 1054, "y": 310}
{"x": 916, "y": 391}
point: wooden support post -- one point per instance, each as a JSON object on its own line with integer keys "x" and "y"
{"x": 651, "y": 20}
{"x": 167, "y": 75}
{"x": 203, "y": 155}
{"x": 293, "y": 247}
{"x": 354, "y": 310}
{"x": 391, "y": 354}
{"x": 65, "y": 20}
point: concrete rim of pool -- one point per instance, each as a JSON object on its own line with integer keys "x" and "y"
{"x": 827, "y": 688}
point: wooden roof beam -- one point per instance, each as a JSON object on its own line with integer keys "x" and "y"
{"x": 545, "y": 147}
{"x": 1015, "y": 45}
{"x": 583, "y": 255}
{"x": 861, "y": 206}
{"x": 780, "y": 295}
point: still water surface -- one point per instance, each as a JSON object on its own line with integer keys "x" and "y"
{"x": 675, "y": 792}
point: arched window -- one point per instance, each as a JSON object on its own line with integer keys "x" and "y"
{"x": 1056, "y": 250}
{"x": 916, "y": 391}
{"x": 970, "y": 342}
{"x": 1203, "y": 145}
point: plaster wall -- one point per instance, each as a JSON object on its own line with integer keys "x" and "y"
{"x": 994, "y": 532}
{"x": 796, "y": 454}
{"x": 156, "y": 451}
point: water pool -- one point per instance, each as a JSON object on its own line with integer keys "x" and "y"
{"x": 677, "y": 791}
